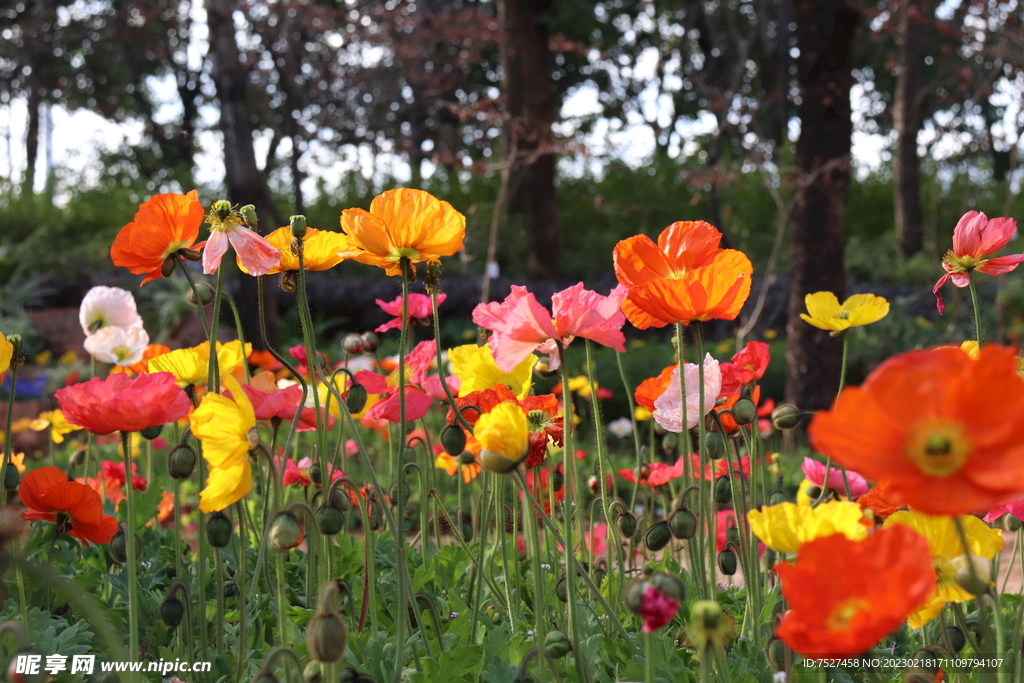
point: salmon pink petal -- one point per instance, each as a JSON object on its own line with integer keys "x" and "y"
{"x": 215, "y": 249}
{"x": 939, "y": 303}
{"x": 579, "y": 312}
{"x": 520, "y": 324}
{"x": 815, "y": 473}
{"x": 967, "y": 235}
{"x": 417, "y": 363}
{"x": 417, "y": 403}
{"x": 432, "y": 385}
{"x": 255, "y": 254}
{"x": 375, "y": 383}
{"x": 1000, "y": 264}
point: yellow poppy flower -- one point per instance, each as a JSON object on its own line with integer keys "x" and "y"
{"x": 226, "y": 427}
{"x": 947, "y": 555}
{"x": 190, "y": 366}
{"x": 787, "y": 526}
{"x": 18, "y": 460}
{"x": 503, "y": 434}
{"x": 402, "y": 223}
{"x": 827, "y": 314}
{"x": 476, "y": 368}
{"x": 55, "y": 422}
{"x": 641, "y": 414}
{"x": 319, "y": 249}
{"x": 6, "y": 354}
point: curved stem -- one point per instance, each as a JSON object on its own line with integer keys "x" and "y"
{"x": 195, "y": 293}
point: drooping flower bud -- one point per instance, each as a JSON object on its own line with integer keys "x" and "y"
{"x": 313, "y": 673}
{"x": 205, "y": 294}
{"x": 11, "y": 477}
{"x": 218, "y": 530}
{"x": 658, "y": 536}
{"x": 352, "y": 344}
{"x": 778, "y": 654}
{"x": 556, "y": 644}
{"x": 683, "y": 524}
{"x": 150, "y": 433}
{"x": 285, "y": 531}
{"x": 376, "y": 516}
{"x": 355, "y": 399}
{"x": 670, "y": 442}
{"x": 955, "y": 637}
{"x": 171, "y": 610}
{"x": 1010, "y": 523}
{"x": 326, "y": 635}
{"x": 393, "y": 493}
{"x": 298, "y": 226}
{"x": 370, "y": 341}
{"x": 626, "y": 522}
{"x": 727, "y": 562}
{"x": 330, "y": 519}
{"x": 655, "y": 599}
{"x": 723, "y": 490}
{"x": 181, "y": 462}
{"x": 562, "y": 589}
{"x": 744, "y": 411}
{"x": 453, "y": 438}
{"x": 973, "y": 573}
{"x": 785, "y": 416}
{"x": 119, "y": 545}
{"x": 714, "y": 445}
{"x": 777, "y": 498}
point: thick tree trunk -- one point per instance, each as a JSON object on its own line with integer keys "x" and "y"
{"x": 532, "y": 202}
{"x": 906, "y": 120}
{"x": 825, "y": 32}
{"x": 36, "y": 49}
{"x": 245, "y": 183}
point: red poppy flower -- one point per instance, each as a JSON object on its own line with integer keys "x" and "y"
{"x": 748, "y": 365}
{"x": 834, "y": 611}
{"x": 944, "y": 432}
{"x": 113, "y": 476}
{"x": 162, "y": 226}
{"x": 655, "y": 474}
{"x": 124, "y": 404}
{"x": 74, "y": 507}
{"x": 417, "y": 399}
{"x": 537, "y": 483}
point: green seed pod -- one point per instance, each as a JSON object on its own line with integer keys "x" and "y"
{"x": 376, "y": 515}
{"x": 777, "y": 498}
{"x": 669, "y": 585}
{"x": 633, "y": 594}
{"x": 626, "y": 522}
{"x": 370, "y": 341}
{"x": 467, "y": 458}
{"x": 714, "y": 445}
{"x": 723, "y": 491}
{"x": 181, "y": 462}
{"x": 562, "y": 590}
{"x": 171, "y": 610}
{"x": 670, "y": 441}
{"x": 352, "y": 344}
{"x": 785, "y": 416}
{"x": 658, "y": 536}
{"x": 683, "y": 524}
{"x": 727, "y": 562}
{"x": 813, "y": 492}
{"x": 327, "y": 637}
{"x": 744, "y": 411}
{"x": 218, "y": 530}
{"x": 11, "y": 477}
{"x": 1008, "y": 522}
{"x": 153, "y": 432}
{"x": 249, "y": 216}
{"x": 330, "y": 519}
{"x": 298, "y": 226}
{"x": 393, "y": 493}
{"x": 557, "y": 480}
{"x": 955, "y": 637}
{"x": 778, "y": 654}
{"x": 230, "y": 588}
{"x": 285, "y": 531}
{"x": 453, "y": 438}
{"x": 203, "y": 294}
{"x": 556, "y": 644}
{"x": 313, "y": 673}
{"x": 355, "y": 399}
{"x": 315, "y": 475}
{"x": 119, "y": 545}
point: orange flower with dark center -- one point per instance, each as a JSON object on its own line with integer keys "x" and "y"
{"x": 682, "y": 278}
{"x": 834, "y": 611}
{"x": 74, "y": 507}
{"x": 944, "y": 433}
{"x": 162, "y": 226}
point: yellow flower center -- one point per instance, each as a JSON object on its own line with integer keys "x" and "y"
{"x": 939, "y": 447}
{"x": 962, "y": 264}
{"x": 844, "y": 315}
{"x": 121, "y": 353}
{"x": 844, "y": 612}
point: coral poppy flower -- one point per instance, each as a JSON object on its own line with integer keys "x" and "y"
{"x": 656, "y": 474}
{"x": 298, "y": 473}
{"x": 538, "y": 482}
{"x": 226, "y": 426}
{"x": 668, "y": 407}
{"x": 787, "y": 526}
{"x": 74, "y": 507}
{"x": 111, "y": 481}
{"x": 521, "y": 325}
{"x": 319, "y": 249}
{"x": 451, "y": 464}
{"x": 946, "y": 433}
{"x": 948, "y": 555}
{"x": 283, "y": 404}
{"x": 255, "y": 255}
{"x": 834, "y": 611}
{"x": 1014, "y": 508}
{"x": 402, "y": 223}
{"x": 475, "y": 367}
{"x": 974, "y": 238}
{"x": 827, "y": 314}
{"x": 877, "y": 500}
{"x": 124, "y": 404}
{"x": 417, "y": 400}
{"x": 718, "y": 468}
{"x": 420, "y": 308}
{"x": 815, "y": 473}
{"x": 682, "y": 278}
{"x": 747, "y": 365}
{"x": 163, "y": 225}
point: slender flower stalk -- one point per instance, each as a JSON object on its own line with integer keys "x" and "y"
{"x": 977, "y": 308}
{"x": 132, "y": 566}
{"x": 7, "y": 433}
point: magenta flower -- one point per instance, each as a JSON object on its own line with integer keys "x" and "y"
{"x": 974, "y": 238}
{"x": 419, "y": 309}
{"x": 283, "y": 404}
{"x": 1013, "y": 507}
{"x": 521, "y": 325}
{"x": 656, "y": 609}
{"x": 815, "y": 473}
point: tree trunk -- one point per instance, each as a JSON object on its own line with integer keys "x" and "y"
{"x": 906, "y": 120}
{"x": 36, "y": 49}
{"x": 825, "y": 32}
{"x": 529, "y": 93}
{"x": 245, "y": 184}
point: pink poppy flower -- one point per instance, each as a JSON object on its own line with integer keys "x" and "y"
{"x": 297, "y": 473}
{"x": 748, "y": 365}
{"x": 668, "y": 407}
{"x": 655, "y": 474}
{"x": 974, "y": 238}
{"x": 521, "y": 325}
{"x": 656, "y": 609}
{"x": 255, "y": 255}
{"x": 597, "y": 539}
{"x": 1013, "y": 507}
{"x": 283, "y": 405}
{"x": 419, "y": 309}
{"x": 418, "y": 389}
{"x": 815, "y": 473}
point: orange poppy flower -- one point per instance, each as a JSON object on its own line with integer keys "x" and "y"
{"x": 945, "y": 433}
{"x": 877, "y": 500}
{"x": 402, "y": 223}
{"x": 834, "y": 611}
{"x": 682, "y": 278}
{"x": 650, "y": 389}
{"x": 74, "y": 507}
{"x": 320, "y": 249}
{"x": 162, "y": 226}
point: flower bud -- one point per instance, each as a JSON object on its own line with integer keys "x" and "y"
{"x": 11, "y": 477}
{"x": 777, "y": 498}
{"x": 326, "y": 635}
{"x": 669, "y": 585}
{"x": 288, "y": 281}
{"x": 955, "y": 637}
{"x": 248, "y": 213}
{"x": 119, "y": 545}
{"x": 723, "y": 490}
{"x": 313, "y": 672}
{"x": 670, "y": 441}
{"x": 153, "y": 432}
{"x": 218, "y": 530}
{"x": 230, "y": 588}
{"x": 393, "y": 493}
{"x": 376, "y": 516}
{"x": 778, "y": 654}
{"x": 557, "y": 480}
{"x": 632, "y": 596}
{"x": 683, "y": 524}
{"x": 352, "y": 344}
{"x": 1010, "y": 523}
{"x": 330, "y": 519}
{"x": 813, "y": 492}
{"x": 785, "y": 416}
{"x": 714, "y": 445}
{"x": 298, "y": 226}
{"x": 315, "y": 474}
{"x": 340, "y": 499}
{"x": 658, "y": 536}
{"x": 222, "y": 209}
{"x": 285, "y": 531}
{"x": 204, "y": 292}
{"x": 349, "y": 675}
{"x": 181, "y": 462}
{"x": 727, "y": 562}
{"x": 562, "y": 590}
{"x": 976, "y": 580}
{"x": 556, "y": 644}
{"x": 370, "y": 341}
{"x": 744, "y": 411}
{"x": 171, "y": 610}
{"x": 355, "y": 399}
{"x": 453, "y": 438}
{"x": 626, "y": 522}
